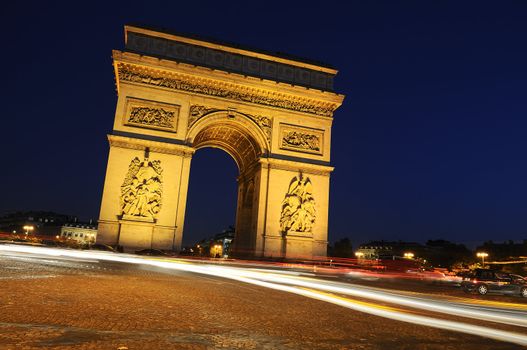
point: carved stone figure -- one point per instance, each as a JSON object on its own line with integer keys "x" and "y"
{"x": 301, "y": 140}
{"x": 152, "y": 117}
{"x": 142, "y": 188}
{"x": 298, "y": 206}
{"x": 264, "y": 123}
{"x": 196, "y": 112}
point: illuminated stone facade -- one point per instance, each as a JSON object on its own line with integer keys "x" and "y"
{"x": 273, "y": 115}
{"x": 82, "y": 233}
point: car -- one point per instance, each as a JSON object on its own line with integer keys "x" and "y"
{"x": 50, "y": 243}
{"x": 484, "y": 281}
{"x": 151, "y": 252}
{"x": 103, "y": 247}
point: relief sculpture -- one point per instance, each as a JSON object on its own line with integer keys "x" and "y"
{"x": 300, "y": 140}
{"x": 298, "y": 207}
{"x": 152, "y": 117}
{"x": 265, "y": 125}
{"x": 196, "y": 112}
{"x": 127, "y": 73}
{"x": 141, "y": 190}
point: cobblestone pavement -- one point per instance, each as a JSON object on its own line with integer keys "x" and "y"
{"x": 51, "y": 303}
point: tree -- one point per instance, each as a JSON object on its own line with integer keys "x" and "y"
{"x": 443, "y": 253}
{"x": 342, "y": 248}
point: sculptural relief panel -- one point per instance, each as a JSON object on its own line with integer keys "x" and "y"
{"x": 301, "y": 139}
{"x": 298, "y": 207}
{"x": 151, "y": 114}
{"x": 141, "y": 190}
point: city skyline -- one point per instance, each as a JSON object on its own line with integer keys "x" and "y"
{"x": 429, "y": 140}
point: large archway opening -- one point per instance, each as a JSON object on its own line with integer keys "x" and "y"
{"x": 241, "y": 139}
{"x": 212, "y": 195}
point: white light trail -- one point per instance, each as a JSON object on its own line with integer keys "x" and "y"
{"x": 318, "y": 290}
{"x": 409, "y": 301}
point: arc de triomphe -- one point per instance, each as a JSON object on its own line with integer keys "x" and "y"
{"x": 272, "y": 114}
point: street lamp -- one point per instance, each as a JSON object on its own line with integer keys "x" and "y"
{"x": 482, "y": 255}
{"x": 359, "y": 255}
{"x": 28, "y": 228}
{"x": 409, "y": 255}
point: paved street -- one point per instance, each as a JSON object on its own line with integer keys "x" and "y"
{"x": 61, "y": 302}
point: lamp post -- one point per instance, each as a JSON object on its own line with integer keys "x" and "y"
{"x": 482, "y": 255}
{"x": 409, "y": 255}
{"x": 28, "y": 228}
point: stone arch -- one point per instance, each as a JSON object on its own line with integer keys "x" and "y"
{"x": 233, "y": 132}
{"x": 167, "y": 110}
{"x": 242, "y": 138}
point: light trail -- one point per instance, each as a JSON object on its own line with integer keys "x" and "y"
{"x": 318, "y": 289}
{"x": 495, "y": 315}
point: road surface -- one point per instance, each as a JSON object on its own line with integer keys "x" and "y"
{"x": 67, "y": 299}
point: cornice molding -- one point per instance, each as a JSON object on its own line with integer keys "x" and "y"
{"x": 304, "y": 167}
{"x": 153, "y": 146}
{"x": 163, "y": 77}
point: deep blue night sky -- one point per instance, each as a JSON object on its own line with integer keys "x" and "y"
{"x": 430, "y": 142}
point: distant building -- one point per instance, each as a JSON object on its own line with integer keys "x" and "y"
{"x": 438, "y": 253}
{"x": 223, "y": 242}
{"x": 504, "y": 251}
{"x": 83, "y": 233}
{"x": 218, "y": 246}
{"x": 45, "y": 224}
{"x": 385, "y": 249}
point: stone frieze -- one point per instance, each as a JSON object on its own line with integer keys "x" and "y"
{"x": 295, "y": 139}
{"x": 300, "y": 139}
{"x": 210, "y": 88}
{"x": 152, "y": 117}
{"x": 151, "y": 114}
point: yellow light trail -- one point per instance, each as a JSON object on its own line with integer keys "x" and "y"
{"x": 318, "y": 289}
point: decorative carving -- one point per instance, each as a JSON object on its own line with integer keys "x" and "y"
{"x": 230, "y": 62}
{"x": 152, "y": 117}
{"x": 265, "y": 125}
{"x": 296, "y": 139}
{"x": 301, "y": 139}
{"x": 181, "y": 82}
{"x": 151, "y": 114}
{"x": 141, "y": 190}
{"x": 196, "y": 112}
{"x": 298, "y": 206}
